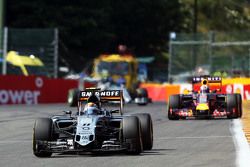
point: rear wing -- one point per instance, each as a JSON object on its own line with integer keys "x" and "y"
{"x": 106, "y": 95}
{"x": 208, "y": 78}
{"x": 204, "y": 80}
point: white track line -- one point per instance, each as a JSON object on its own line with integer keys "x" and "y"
{"x": 241, "y": 144}
{"x": 192, "y": 137}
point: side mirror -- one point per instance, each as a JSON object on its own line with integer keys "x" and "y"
{"x": 68, "y": 112}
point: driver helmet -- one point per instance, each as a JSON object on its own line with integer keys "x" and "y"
{"x": 95, "y": 100}
{"x": 91, "y": 109}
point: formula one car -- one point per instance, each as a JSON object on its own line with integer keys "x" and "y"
{"x": 206, "y": 102}
{"x": 140, "y": 96}
{"x": 93, "y": 128}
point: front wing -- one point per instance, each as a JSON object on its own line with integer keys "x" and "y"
{"x": 184, "y": 113}
{"x": 69, "y": 147}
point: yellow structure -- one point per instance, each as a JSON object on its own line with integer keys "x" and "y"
{"x": 117, "y": 66}
{"x": 25, "y": 63}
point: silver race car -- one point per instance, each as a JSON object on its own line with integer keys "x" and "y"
{"x": 93, "y": 128}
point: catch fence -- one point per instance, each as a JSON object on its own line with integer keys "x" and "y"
{"x": 210, "y": 53}
{"x": 42, "y": 43}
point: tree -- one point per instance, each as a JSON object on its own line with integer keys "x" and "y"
{"x": 223, "y": 15}
{"x": 88, "y": 28}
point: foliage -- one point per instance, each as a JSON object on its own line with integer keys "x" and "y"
{"x": 221, "y": 15}
{"x": 88, "y": 28}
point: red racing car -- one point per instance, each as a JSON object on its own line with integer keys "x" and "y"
{"x": 207, "y": 102}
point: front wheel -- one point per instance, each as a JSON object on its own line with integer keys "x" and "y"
{"x": 42, "y": 132}
{"x": 239, "y": 102}
{"x": 232, "y": 106}
{"x": 132, "y": 134}
{"x": 173, "y": 104}
{"x": 73, "y": 97}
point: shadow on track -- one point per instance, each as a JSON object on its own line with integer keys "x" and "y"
{"x": 108, "y": 154}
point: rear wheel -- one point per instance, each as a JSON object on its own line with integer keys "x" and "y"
{"x": 232, "y": 106}
{"x": 72, "y": 97}
{"x": 147, "y": 130}
{"x": 173, "y": 103}
{"x": 142, "y": 92}
{"x": 42, "y": 132}
{"x": 132, "y": 134}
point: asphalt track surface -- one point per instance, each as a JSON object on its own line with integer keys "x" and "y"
{"x": 176, "y": 143}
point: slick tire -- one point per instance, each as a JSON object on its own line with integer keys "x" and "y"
{"x": 132, "y": 134}
{"x": 239, "y": 102}
{"x": 173, "y": 103}
{"x": 231, "y": 105}
{"x": 142, "y": 92}
{"x": 42, "y": 132}
{"x": 147, "y": 130}
{"x": 73, "y": 97}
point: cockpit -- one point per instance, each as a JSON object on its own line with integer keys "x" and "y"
{"x": 91, "y": 111}
{"x": 204, "y": 89}
{"x": 202, "y": 98}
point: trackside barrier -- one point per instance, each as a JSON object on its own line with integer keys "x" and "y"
{"x": 157, "y": 92}
{"x": 244, "y": 81}
{"x": 34, "y": 90}
{"x": 161, "y": 92}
